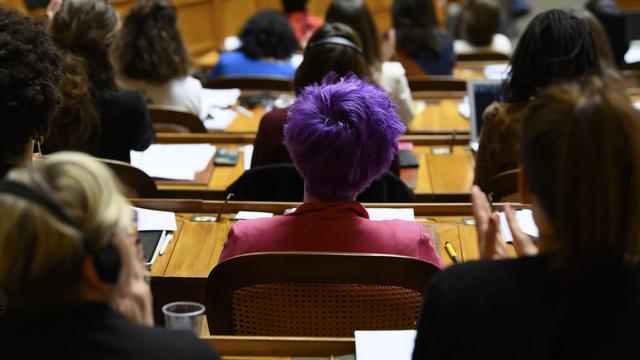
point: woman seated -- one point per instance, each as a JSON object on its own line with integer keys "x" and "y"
{"x": 341, "y": 134}
{"x": 420, "y": 40}
{"x": 152, "y": 58}
{"x": 332, "y": 48}
{"x": 95, "y": 117}
{"x": 479, "y": 24}
{"x": 267, "y": 45}
{"x": 576, "y": 290}
{"x": 388, "y": 74}
{"x": 73, "y": 278}
{"x": 555, "y": 46}
{"x": 302, "y": 23}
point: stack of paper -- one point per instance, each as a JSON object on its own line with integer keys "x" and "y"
{"x": 217, "y": 98}
{"x": 524, "y": 218}
{"x": 155, "y": 220}
{"x": 173, "y": 161}
{"x": 497, "y": 71}
{"x": 248, "y": 215}
{"x": 378, "y": 214}
{"x": 384, "y": 345}
{"x": 219, "y": 119}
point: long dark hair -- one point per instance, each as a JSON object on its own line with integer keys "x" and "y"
{"x": 356, "y": 14}
{"x": 581, "y": 158}
{"x": 319, "y": 60}
{"x": 555, "y": 46}
{"x": 150, "y": 47}
{"x": 416, "y": 27}
{"x": 85, "y": 32}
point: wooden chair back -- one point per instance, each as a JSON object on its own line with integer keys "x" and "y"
{"x": 503, "y": 187}
{"x": 484, "y": 56}
{"x": 436, "y": 83}
{"x": 315, "y": 294}
{"x": 250, "y": 83}
{"x": 174, "y": 120}
{"x": 135, "y": 182}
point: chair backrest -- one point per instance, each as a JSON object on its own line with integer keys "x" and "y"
{"x": 250, "y": 83}
{"x": 503, "y": 187}
{"x": 282, "y": 182}
{"x": 436, "y": 83}
{"x": 136, "y": 183}
{"x": 483, "y": 56}
{"x": 171, "y": 119}
{"x": 315, "y": 294}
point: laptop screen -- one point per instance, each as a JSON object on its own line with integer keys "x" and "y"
{"x": 481, "y": 94}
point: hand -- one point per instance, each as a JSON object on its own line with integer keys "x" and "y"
{"x": 490, "y": 243}
{"x": 522, "y": 242}
{"x": 388, "y": 45}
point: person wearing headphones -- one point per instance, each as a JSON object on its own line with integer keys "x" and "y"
{"x": 72, "y": 278}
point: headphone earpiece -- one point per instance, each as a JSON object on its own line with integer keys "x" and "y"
{"x": 337, "y": 41}
{"x": 107, "y": 259}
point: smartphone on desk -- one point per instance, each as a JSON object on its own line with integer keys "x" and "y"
{"x": 226, "y": 157}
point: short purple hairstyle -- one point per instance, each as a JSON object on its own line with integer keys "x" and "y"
{"x": 342, "y": 134}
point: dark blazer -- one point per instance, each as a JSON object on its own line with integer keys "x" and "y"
{"x": 125, "y": 124}
{"x": 93, "y": 331}
{"x": 519, "y": 309}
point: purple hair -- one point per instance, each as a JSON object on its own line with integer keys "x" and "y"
{"x": 342, "y": 134}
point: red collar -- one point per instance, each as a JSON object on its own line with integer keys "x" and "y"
{"x": 331, "y": 209}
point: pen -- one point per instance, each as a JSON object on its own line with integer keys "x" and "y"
{"x": 167, "y": 240}
{"x": 451, "y": 251}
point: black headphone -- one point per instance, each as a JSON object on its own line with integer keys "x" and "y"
{"x": 338, "y": 41}
{"x": 106, "y": 259}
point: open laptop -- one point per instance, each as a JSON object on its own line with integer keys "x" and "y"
{"x": 481, "y": 92}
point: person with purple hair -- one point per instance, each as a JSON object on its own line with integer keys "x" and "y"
{"x": 341, "y": 134}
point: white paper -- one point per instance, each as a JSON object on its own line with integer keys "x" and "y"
{"x": 220, "y": 98}
{"x": 464, "y": 109}
{"x": 248, "y": 215}
{"x": 173, "y": 161}
{"x": 248, "y": 155}
{"x": 155, "y": 220}
{"x": 524, "y": 218}
{"x": 497, "y": 71}
{"x": 637, "y": 105}
{"x": 378, "y": 214}
{"x": 633, "y": 54}
{"x": 220, "y": 118}
{"x": 384, "y": 345}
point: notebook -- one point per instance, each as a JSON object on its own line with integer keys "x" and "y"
{"x": 481, "y": 92}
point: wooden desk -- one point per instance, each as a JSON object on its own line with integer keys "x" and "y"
{"x": 440, "y": 178}
{"x": 279, "y": 348}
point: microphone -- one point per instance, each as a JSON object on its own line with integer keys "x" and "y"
{"x": 224, "y": 204}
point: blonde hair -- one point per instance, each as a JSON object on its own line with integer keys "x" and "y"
{"x": 41, "y": 255}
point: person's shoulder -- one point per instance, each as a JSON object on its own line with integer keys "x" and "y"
{"x": 231, "y": 56}
{"x": 128, "y": 98}
{"x": 392, "y": 68}
{"x": 257, "y": 226}
{"x": 162, "y": 343}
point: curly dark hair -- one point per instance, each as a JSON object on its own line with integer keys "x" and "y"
{"x": 29, "y": 80}
{"x": 85, "y": 31}
{"x": 416, "y": 27}
{"x": 268, "y": 35}
{"x": 150, "y": 47}
{"x": 555, "y": 46}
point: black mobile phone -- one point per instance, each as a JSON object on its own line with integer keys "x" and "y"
{"x": 226, "y": 157}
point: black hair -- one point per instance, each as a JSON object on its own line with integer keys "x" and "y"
{"x": 29, "y": 82}
{"x": 294, "y": 5}
{"x": 416, "y": 27}
{"x": 555, "y": 46}
{"x": 268, "y": 35}
{"x": 319, "y": 60}
{"x": 356, "y": 14}
{"x": 613, "y": 21}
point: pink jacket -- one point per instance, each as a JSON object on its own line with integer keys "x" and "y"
{"x": 330, "y": 227}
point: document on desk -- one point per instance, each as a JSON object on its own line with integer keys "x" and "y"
{"x": 384, "y": 345}
{"x": 218, "y": 98}
{"x": 247, "y": 150}
{"x": 155, "y": 220}
{"x": 219, "y": 118}
{"x": 497, "y": 71}
{"x": 524, "y": 218}
{"x": 378, "y": 214}
{"x": 248, "y": 215}
{"x": 173, "y": 161}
